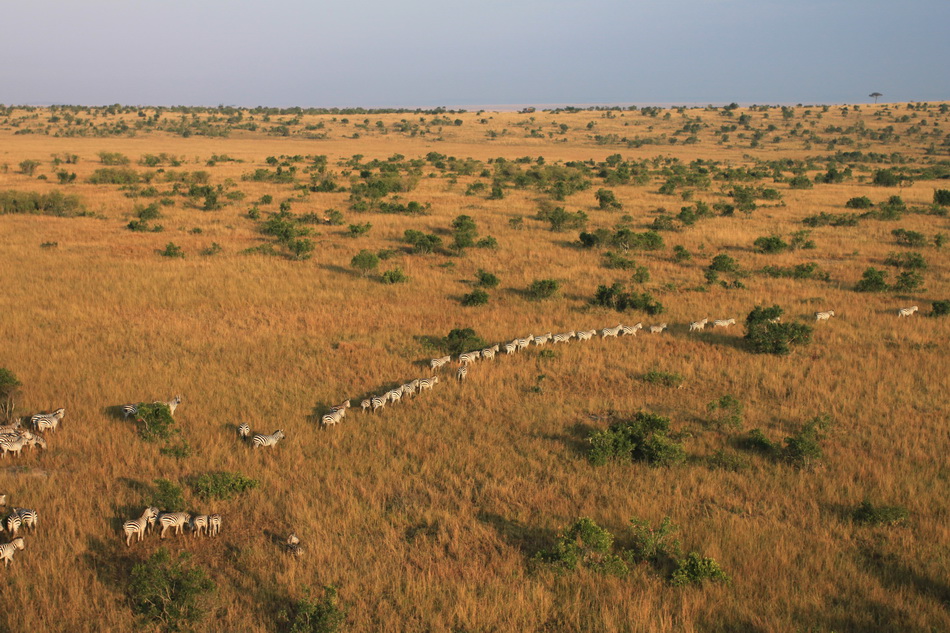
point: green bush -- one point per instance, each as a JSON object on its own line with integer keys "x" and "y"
{"x": 869, "y": 514}
{"x": 771, "y": 244}
{"x": 908, "y": 281}
{"x": 800, "y": 182}
{"x": 172, "y": 250}
{"x": 798, "y": 271}
{"x": 542, "y": 289}
{"x": 619, "y": 299}
{"x": 724, "y": 263}
{"x": 696, "y": 569}
{"x": 725, "y": 412}
{"x": 664, "y": 378}
{"x": 214, "y": 249}
{"x": 221, "y": 485}
{"x": 477, "y": 297}
{"x": 155, "y": 421}
{"x": 680, "y": 254}
{"x": 484, "y": 279}
{"x": 756, "y": 441}
{"x": 30, "y": 202}
{"x": 309, "y": 615}
{"x": 115, "y": 176}
{"x": 422, "y": 242}
{"x": 464, "y": 232}
{"x": 9, "y": 390}
{"x": 761, "y": 314}
{"x": 862, "y": 202}
{"x": 654, "y": 545}
{"x": 644, "y": 438}
{"x": 585, "y": 544}
{"x": 487, "y": 242}
{"x": 365, "y": 262}
{"x": 803, "y": 449}
{"x": 722, "y": 460}
{"x": 461, "y": 340}
{"x": 910, "y": 261}
{"x": 28, "y": 167}
{"x": 395, "y": 276}
{"x": 561, "y": 220}
{"x": 764, "y": 336}
{"x": 909, "y": 238}
{"x": 940, "y": 308}
{"x": 167, "y": 496}
{"x": 872, "y": 280}
{"x": 113, "y": 158}
{"x": 169, "y": 592}
{"x": 360, "y": 229}
{"x": 831, "y": 219}
{"x": 607, "y": 200}
{"x": 942, "y": 197}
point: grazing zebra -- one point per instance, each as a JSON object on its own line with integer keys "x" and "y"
{"x": 34, "y": 441}
{"x": 43, "y": 421}
{"x": 138, "y": 527}
{"x": 698, "y": 325}
{"x": 341, "y": 407}
{"x": 176, "y": 520}
{"x": 461, "y": 373}
{"x": 586, "y": 335}
{"x": 428, "y": 383}
{"x": 333, "y": 417}
{"x": 564, "y": 337}
{"x": 724, "y": 322}
{"x": 366, "y": 404}
{"x": 630, "y": 330}
{"x": 610, "y": 331}
{"x": 379, "y": 402}
{"x": 244, "y": 431}
{"x": 13, "y": 523}
{"x": 511, "y": 348}
{"x": 214, "y": 524}
{"x": 656, "y": 329}
{"x": 906, "y": 312}
{"x": 469, "y": 357}
{"x": 12, "y": 444}
{"x": 7, "y": 550}
{"x": 294, "y": 548}
{"x": 199, "y": 523}
{"x": 11, "y": 429}
{"x": 824, "y": 316}
{"x": 267, "y": 440}
{"x": 435, "y": 363}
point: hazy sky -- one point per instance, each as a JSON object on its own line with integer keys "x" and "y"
{"x": 455, "y": 53}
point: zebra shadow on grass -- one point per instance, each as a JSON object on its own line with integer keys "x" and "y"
{"x": 575, "y": 438}
{"x": 115, "y": 412}
{"x": 111, "y": 561}
{"x": 529, "y": 540}
{"x": 710, "y": 337}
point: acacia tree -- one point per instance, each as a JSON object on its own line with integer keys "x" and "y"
{"x": 876, "y": 96}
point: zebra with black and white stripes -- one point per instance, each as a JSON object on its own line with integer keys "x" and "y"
{"x": 630, "y": 330}
{"x": 488, "y": 353}
{"x": 698, "y": 326}
{"x": 28, "y": 518}
{"x": 469, "y": 357}
{"x": 586, "y": 335}
{"x": 13, "y": 523}
{"x": 436, "y": 363}
{"x": 656, "y": 329}
{"x": 12, "y": 444}
{"x": 43, "y": 421}
{"x": 8, "y": 549}
{"x": 177, "y": 520}
{"x": 332, "y": 418}
{"x": 611, "y": 331}
{"x": 461, "y": 373}
{"x": 394, "y": 395}
{"x": 244, "y": 431}
{"x": 133, "y": 409}
{"x": 379, "y": 402}
{"x": 541, "y": 340}
{"x": 198, "y": 524}
{"x": 906, "y": 312}
{"x": 366, "y": 404}
{"x": 511, "y": 348}
{"x": 428, "y": 383}
{"x": 214, "y": 524}
{"x": 824, "y": 316}
{"x": 261, "y": 439}
{"x": 724, "y": 322}
{"x": 138, "y": 527}
{"x": 564, "y": 337}
{"x": 524, "y": 342}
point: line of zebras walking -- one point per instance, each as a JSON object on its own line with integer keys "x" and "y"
{"x": 152, "y": 519}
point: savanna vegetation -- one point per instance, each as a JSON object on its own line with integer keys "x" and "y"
{"x": 776, "y": 475}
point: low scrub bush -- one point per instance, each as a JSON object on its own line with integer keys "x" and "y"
{"x": 585, "y": 544}
{"x": 477, "y": 297}
{"x": 942, "y": 197}
{"x": 940, "y": 308}
{"x": 908, "y": 281}
{"x": 722, "y": 460}
{"x": 422, "y": 242}
{"x": 167, "y": 496}
{"x": 365, "y": 262}
{"x": 696, "y": 570}
{"x": 484, "y": 279}
{"x": 172, "y": 250}
{"x": 862, "y": 202}
{"x": 869, "y": 514}
{"x": 395, "y": 276}
{"x": 757, "y": 442}
{"x": 664, "y": 378}
{"x": 619, "y": 299}
{"x": 909, "y": 238}
{"x": 113, "y": 158}
{"x": 765, "y": 335}
{"x": 461, "y": 340}
{"x": 725, "y": 412}
{"x": 810, "y": 270}
{"x": 221, "y": 485}
{"x": 168, "y": 591}
{"x": 831, "y": 219}
{"x": 654, "y": 545}
{"x": 30, "y": 202}
{"x": 910, "y": 261}
{"x": 542, "y": 289}
{"x": 360, "y": 229}
{"x": 310, "y": 615}
{"x": 872, "y": 280}
{"x": 116, "y": 176}
{"x": 646, "y": 438}
{"x": 155, "y": 421}
{"x": 803, "y": 449}
{"x": 771, "y": 244}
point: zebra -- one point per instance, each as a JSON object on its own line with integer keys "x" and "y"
{"x": 488, "y": 353}
{"x": 11, "y": 429}
{"x": 43, "y": 421}
{"x": 630, "y": 329}
{"x": 172, "y": 404}
{"x": 332, "y": 418}
{"x": 13, "y": 523}
{"x": 564, "y": 337}
{"x": 724, "y": 322}
{"x": 267, "y": 440}
{"x": 906, "y": 312}
{"x": 3, "y": 502}
{"x": 511, "y": 348}
{"x": 294, "y": 548}
{"x": 524, "y": 342}
{"x": 409, "y": 389}
{"x": 244, "y": 431}
{"x": 379, "y": 402}
{"x": 199, "y": 523}
{"x": 428, "y": 383}
{"x": 461, "y": 373}
{"x": 7, "y": 550}
{"x": 541, "y": 340}
{"x": 12, "y": 444}
{"x": 214, "y": 524}
{"x": 28, "y": 518}
{"x": 611, "y": 331}
{"x": 586, "y": 335}
{"x": 138, "y": 527}
{"x": 133, "y": 409}
{"x": 366, "y": 404}
{"x": 394, "y": 395}
{"x": 656, "y": 329}
{"x": 824, "y": 316}
{"x": 469, "y": 357}
{"x": 341, "y": 407}
{"x": 34, "y": 441}
{"x": 435, "y": 363}
{"x": 176, "y": 520}
{"x": 698, "y": 325}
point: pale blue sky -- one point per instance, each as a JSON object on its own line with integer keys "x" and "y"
{"x": 457, "y": 53}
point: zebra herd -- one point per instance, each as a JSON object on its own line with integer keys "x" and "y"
{"x": 14, "y": 437}
{"x": 17, "y": 519}
{"x": 210, "y": 525}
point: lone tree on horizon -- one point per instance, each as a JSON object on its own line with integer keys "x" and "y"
{"x": 876, "y": 95}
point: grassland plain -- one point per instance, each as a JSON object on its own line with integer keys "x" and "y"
{"x": 426, "y": 515}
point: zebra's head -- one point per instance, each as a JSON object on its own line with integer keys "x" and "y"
{"x": 279, "y": 434}
{"x": 18, "y": 542}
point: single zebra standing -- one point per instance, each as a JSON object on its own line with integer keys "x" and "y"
{"x": 824, "y": 316}
{"x": 656, "y": 329}
{"x": 214, "y": 524}
{"x": 199, "y": 523}
{"x": 138, "y": 527}
{"x": 7, "y": 550}
{"x": 906, "y": 312}
{"x": 724, "y": 322}
{"x": 267, "y": 440}
{"x": 43, "y": 421}
{"x": 428, "y": 383}
{"x": 244, "y": 431}
{"x": 435, "y": 363}
{"x": 177, "y": 520}
{"x": 610, "y": 331}
{"x": 461, "y": 373}
{"x": 28, "y": 518}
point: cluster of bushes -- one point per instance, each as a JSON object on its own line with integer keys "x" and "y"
{"x": 802, "y": 449}
{"x": 775, "y": 243}
{"x": 766, "y": 335}
{"x": 287, "y": 229}
{"x": 810, "y": 270}
{"x": 584, "y": 544}
{"x": 422, "y": 242}
{"x": 874, "y": 280}
{"x": 831, "y": 219}
{"x": 30, "y": 202}
{"x": 465, "y": 235}
{"x": 221, "y": 485}
{"x": 540, "y": 289}
{"x": 620, "y": 299}
{"x": 478, "y": 296}
{"x": 646, "y": 437}
{"x": 144, "y": 215}
{"x": 118, "y": 176}
{"x": 622, "y": 238}
{"x": 664, "y": 378}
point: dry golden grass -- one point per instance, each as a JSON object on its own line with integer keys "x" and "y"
{"x": 425, "y": 515}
